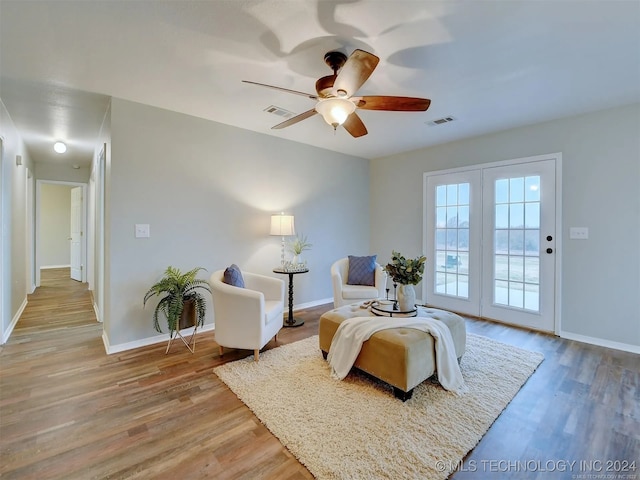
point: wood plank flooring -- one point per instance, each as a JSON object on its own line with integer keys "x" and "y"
{"x": 69, "y": 411}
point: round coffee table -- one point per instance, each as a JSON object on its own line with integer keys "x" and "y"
{"x": 386, "y": 310}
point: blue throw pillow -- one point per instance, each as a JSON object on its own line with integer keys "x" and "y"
{"x": 233, "y": 276}
{"x": 362, "y": 270}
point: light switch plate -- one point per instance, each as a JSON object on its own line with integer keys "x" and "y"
{"x": 142, "y": 230}
{"x": 579, "y": 233}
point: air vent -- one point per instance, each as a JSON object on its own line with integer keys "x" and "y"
{"x": 440, "y": 121}
{"x": 281, "y": 112}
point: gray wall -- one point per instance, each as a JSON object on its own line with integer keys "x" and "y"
{"x": 600, "y": 182}
{"x": 55, "y": 225}
{"x": 14, "y": 249}
{"x": 208, "y": 190}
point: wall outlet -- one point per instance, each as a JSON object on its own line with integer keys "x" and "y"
{"x": 142, "y": 230}
{"x": 579, "y": 233}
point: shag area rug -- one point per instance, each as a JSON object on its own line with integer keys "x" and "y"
{"x": 356, "y": 428}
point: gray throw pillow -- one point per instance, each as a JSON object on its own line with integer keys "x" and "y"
{"x": 233, "y": 276}
{"x": 362, "y": 270}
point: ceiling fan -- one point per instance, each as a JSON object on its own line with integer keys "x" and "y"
{"x": 336, "y": 98}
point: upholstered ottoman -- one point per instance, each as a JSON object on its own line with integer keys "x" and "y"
{"x": 401, "y": 357}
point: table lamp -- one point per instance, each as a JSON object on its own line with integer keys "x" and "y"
{"x": 282, "y": 225}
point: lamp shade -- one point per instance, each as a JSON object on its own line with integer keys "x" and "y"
{"x": 282, "y": 225}
{"x": 335, "y": 110}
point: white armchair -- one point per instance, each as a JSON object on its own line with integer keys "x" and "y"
{"x": 344, "y": 294}
{"x": 249, "y": 317}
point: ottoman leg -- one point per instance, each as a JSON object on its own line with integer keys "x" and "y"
{"x": 324, "y": 354}
{"x": 402, "y": 395}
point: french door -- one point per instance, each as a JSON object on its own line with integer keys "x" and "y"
{"x": 490, "y": 232}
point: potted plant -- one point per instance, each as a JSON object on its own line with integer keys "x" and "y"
{"x": 182, "y": 305}
{"x": 297, "y": 246}
{"x": 407, "y": 273}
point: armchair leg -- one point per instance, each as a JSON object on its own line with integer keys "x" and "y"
{"x": 256, "y": 355}
{"x": 221, "y": 350}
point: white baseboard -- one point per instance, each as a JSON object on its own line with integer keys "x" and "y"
{"x": 97, "y": 312}
{"x": 14, "y": 321}
{"x": 626, "y": 347}
{"x": 144, "y": 342}
{"x": 47, "y": 267}
{"x": 315, "y": 303}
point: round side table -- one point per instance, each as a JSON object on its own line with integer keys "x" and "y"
{"x": 291, "y": 321}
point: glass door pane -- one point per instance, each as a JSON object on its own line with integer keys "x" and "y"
{"x": 516, "y": 242}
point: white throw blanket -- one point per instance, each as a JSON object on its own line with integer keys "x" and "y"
{"x": 353, "y": 332}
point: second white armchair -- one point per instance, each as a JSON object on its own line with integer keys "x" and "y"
{"x": 345, "y": 294}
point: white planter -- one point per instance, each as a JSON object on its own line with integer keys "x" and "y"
{"x": 406, "y": 298}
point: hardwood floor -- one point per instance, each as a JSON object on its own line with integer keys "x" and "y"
{"x": 69, "y": 411}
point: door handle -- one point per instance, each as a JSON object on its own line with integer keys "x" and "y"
{"x": 549, "y": 250}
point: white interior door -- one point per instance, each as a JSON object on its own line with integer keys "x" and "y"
{"x": 490, "y": 241}
{"x": 76, "y": 233}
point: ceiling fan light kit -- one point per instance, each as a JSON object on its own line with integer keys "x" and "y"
{"x": 335, "y": 110}
{"x": 336, "y": 102}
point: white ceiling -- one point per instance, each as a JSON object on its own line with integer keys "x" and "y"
{"x": 492, "y": 65}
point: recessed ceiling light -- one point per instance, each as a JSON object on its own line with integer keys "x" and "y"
{"x": 59, "y": 147}
{"x": 75, "y": 166}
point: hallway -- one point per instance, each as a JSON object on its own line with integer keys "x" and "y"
{"x": 59, "y": 304}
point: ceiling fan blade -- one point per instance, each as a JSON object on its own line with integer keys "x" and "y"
{"x": 295, "y": 92}
{"x": 398, "y": 104}
{"x": 356, "y": 70}
{"x": 354, "y": 125}
{"x": 296, "y": 119}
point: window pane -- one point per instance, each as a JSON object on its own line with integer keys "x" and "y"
{"x": 441, "y": 217}
{"x": 502, "y": 241}
{"x": 516, "y": 295}
{"x": 463, "y": 194}
{"x": 440, "y": 282}
{"x": 463, "y": 286}
{"x": 441, "y": 195}
{"x": 516, "y": 189}
{"x": 501, "y": 267}
{"x": 502, "y": 190}
{"x": 452, "y": 238}
{"x": 516, "y": 242}
{"x": 516, "y": 215}
{"x": 502, "y": 216}
{"x": 463, "y": 217}
{"x": 532, "y": 215}
{"x": 532, "y": 297}
{"x": 452, "y": 194}
{"x": 463, "y": 239}
{"x": 532, "y": 189}
{"x": 452, "y": 217}
{"x": 516, "y": 269}
{"x": 440, "y": 260}
{"x": 532, "y": 270}
{"x": 501, "y": 292}
{"x": 451, "y": 284}
{"x": 463, "y": 263}
{"x": 532, "y": 242}
{"x": 441, "y": 238}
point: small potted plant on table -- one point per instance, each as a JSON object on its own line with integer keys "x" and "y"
{"x": 297, "y": 246}
{"x": 406, "y": 273}
{"x": 182, "y": 304}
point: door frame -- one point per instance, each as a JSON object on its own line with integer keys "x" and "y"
{"x": 557, "y": 157}
{"x": 83, "y": 243}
